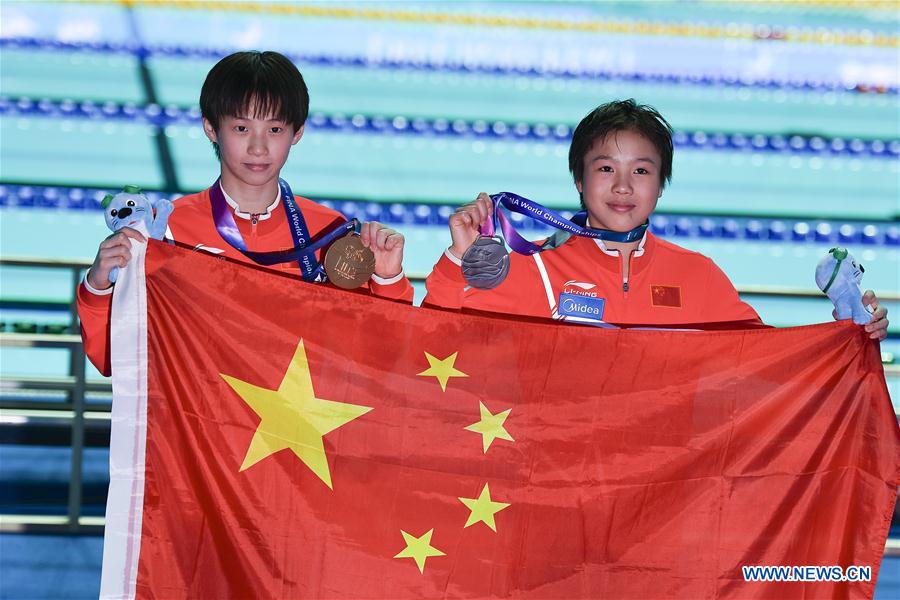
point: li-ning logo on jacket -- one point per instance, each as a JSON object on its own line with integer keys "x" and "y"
{"x": 208, "y": 249}
{"x": 579, "y": 288}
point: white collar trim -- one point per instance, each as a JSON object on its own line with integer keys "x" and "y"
{"x": 639, "y": 251}
{"x": 245, "y": 215}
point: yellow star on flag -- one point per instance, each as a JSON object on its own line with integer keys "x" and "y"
{"x": 483, "y": 508}
{"x": 491, "y": 426}
{"x": 442, "y": 369}
{"x": 292, "y": 417}
{"x": 419, "y": 548}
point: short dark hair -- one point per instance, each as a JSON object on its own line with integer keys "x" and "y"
{"x": 267, "y": 82}
{"x": 622, "y": 115}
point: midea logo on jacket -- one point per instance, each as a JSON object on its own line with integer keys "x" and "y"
{"x": 579, "y": 288}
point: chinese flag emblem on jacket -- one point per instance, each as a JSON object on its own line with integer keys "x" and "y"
{"x": 274, "y": 439}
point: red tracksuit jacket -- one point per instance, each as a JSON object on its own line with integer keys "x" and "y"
{"x": 191, "y": 223}
{"x": 581, "y": 281}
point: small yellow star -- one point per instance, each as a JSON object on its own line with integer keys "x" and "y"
{"x": 292, "y": 417}
{"x": 483, "y": 508}
{"x": 419, "y": 548}
{"x": 442, "y": 369}
{"x": 491, "y": 426}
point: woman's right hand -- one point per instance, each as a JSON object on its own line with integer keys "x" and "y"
{"x": 466, "y": 222}
{"x": 114, "y": 251}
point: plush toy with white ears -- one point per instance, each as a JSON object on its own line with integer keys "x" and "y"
{"x": 131, "y": 208}
{"x": 838, "y": 275}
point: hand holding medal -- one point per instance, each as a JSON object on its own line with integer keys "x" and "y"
{"x": 352, "y": 260}
{"x": 348, "y": 263}
{"x": 387, "y": 245}
{"x": 485, "y": 261}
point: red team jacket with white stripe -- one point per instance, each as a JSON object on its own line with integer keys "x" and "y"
{"x": 582, "y": 281}
{"x": 191, "y": 223}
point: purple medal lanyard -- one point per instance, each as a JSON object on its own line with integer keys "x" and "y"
{"x": 485, "y": 264}
{"x": 533, "y": 210}
{"x": 304, "y": 249}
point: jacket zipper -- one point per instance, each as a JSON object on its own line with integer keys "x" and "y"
{"x": 254, "y": 219}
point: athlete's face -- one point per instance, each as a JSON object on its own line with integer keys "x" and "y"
{"x": 620, "y": 183}
{"x": 252, "y": 149}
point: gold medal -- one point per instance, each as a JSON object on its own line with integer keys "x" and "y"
{"x": 348, "y": 263}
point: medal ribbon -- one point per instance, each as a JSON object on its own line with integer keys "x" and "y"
{"x": 303, "y": 251}
{"x": 533, "y": 210}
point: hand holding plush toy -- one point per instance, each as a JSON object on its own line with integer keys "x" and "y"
{"x": 838, "y": 275}
{"x": 131, "y": 208}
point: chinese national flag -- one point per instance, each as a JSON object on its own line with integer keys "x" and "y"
{"x": 274, "y": 439}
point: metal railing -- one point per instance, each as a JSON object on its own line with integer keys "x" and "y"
{"x": 74, "y": 386}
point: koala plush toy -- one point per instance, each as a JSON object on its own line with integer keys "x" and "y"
{"x": 131, "y": 208}
{"x": 838, "y": 275}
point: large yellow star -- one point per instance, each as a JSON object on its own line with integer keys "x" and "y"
{"x": 491, "y": 427}
{"x": 483, "y": 508}
{"x": 442, "y": 369}
{"x": 419, "y": 548}
{"x": 292, "y": 417}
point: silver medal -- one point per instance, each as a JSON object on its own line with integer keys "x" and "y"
{"x": 486, "y": 263}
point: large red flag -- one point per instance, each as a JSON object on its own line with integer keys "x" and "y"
{"x": 273, "y": 439}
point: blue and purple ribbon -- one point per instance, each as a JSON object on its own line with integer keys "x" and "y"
{"x": 533, "y": 210}
{"x": 304, "y": 249}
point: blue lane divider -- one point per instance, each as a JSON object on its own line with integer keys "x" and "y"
{"x": 396, "y": 213}
{"x": 162, "y": 116}
{"x": 729, "y": 81}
